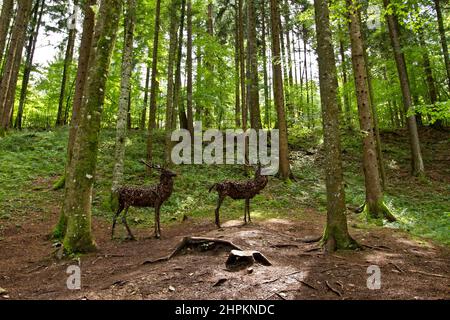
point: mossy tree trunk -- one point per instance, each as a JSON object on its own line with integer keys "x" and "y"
{"x": 81, "y": 173}
{"x": 336, "y": 234}
{"x": 124, "y": 99}
{"x": 77, "y": 107}
{"x": 374, "y": 191}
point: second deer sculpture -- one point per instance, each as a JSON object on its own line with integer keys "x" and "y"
{"x": 145, "y": 197}
{"x": 240, "y": 190}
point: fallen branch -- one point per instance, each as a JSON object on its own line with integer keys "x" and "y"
{"x": 193, "y": 241}
{"x": 284, "y": 245}
{"x": 430, "y": 274}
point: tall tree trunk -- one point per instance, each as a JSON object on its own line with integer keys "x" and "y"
{"x": 255, "y": 113}
{"x": 5, "y": 21}
{"x": 244, "y": 107}
{"x": 375, "y": 206}
{"x": 189, "y": 89}
{"x": 81, "y": 174}
{"x": 265, "y": 72}
{"x": 78, "y": 107}
{"x": 336, "y": 234}
{"x": 154, "y": 83}
{"x": 173, "y": 44}
{"x": 416, "y": 155}
{"x": 145, "y": 102}
{"x": 278, "y": 90}
{"x": 67, "y": 64}
{"x": 124, "y": 99}
{"x": 373, "y": 105}
{"x": 8, "y": 82}
{"x": 347, "y": 105}
{"x": 437, "y": 6}
{"x": 288, "y": 42}
{"x": 237, "y": 83}
{"x": 31, "y": 47}
{"x": 432, "y": 91}
{"x": 300, "y": 69}
{"x": 177, "y": 107}
{"x": 305, "y": 69}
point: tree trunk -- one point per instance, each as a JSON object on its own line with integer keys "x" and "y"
{"x": 347, "y": 105}
{"x": 154, "y": 83}
{"x": 5, "y": 21}
{"x": 244, "y": 107}
{"x": 336, "y": 234}
{"x": 416, "y": 155}
{"x": 255, "y": 113}
{"x": 8, "y": 82}
{"x": 375, "y": 206}
{"x": 278, "y": 90}
{"x": 288, "y": 43}
{"x": 432, "y": 91}
{"x": 124, "y": 99}
{"x": 189, "y": 89}
{"x": 66, "y": 71}
{"x": 78, "y": 107}
{"x": 437, "y": 6}
{"x": 177, "y": 106}
{"x": 237, "y": 83}
{"x": 81, "y": 174}
{"x": 31, "y": 47}
{"x": 373, "y": 106}
{"x": 145, "y": 102}
{"x": 264, "y": 58}
{"x": 170, "y": 81}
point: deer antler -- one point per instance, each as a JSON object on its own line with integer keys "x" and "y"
{"x": 150, "y": 165}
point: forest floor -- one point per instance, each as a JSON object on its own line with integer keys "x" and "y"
{"x": 413, "y": 254}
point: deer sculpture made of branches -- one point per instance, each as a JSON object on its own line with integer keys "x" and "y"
{"x": 152, "y": 196}
{"x": 240, "y": 190}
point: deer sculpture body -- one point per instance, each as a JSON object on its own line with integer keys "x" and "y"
{"x": 145, "y": 197}
{"x": 239, "y": 190}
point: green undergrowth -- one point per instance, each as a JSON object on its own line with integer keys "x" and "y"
{"x": 31, "y": 162}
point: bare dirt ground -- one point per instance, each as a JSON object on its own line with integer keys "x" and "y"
{"x": 409, "y": 269}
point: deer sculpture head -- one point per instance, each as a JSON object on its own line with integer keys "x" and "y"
{"x": 166, "y": 173}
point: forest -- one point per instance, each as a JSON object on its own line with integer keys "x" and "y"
{"x": 352, "y": 96}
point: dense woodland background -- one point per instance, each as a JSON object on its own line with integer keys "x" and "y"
{"x": 335, "y": 77}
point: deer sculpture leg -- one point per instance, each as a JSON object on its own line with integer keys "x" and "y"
{"x": 219, "y": 203}
{"x": 157, "y": 223}
{"x": 124, "y": 220}
{"x": 121, "y": 207}
{"x": 248, "y": 210}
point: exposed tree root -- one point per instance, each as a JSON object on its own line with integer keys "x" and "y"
{"x": 333, "y": 289}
